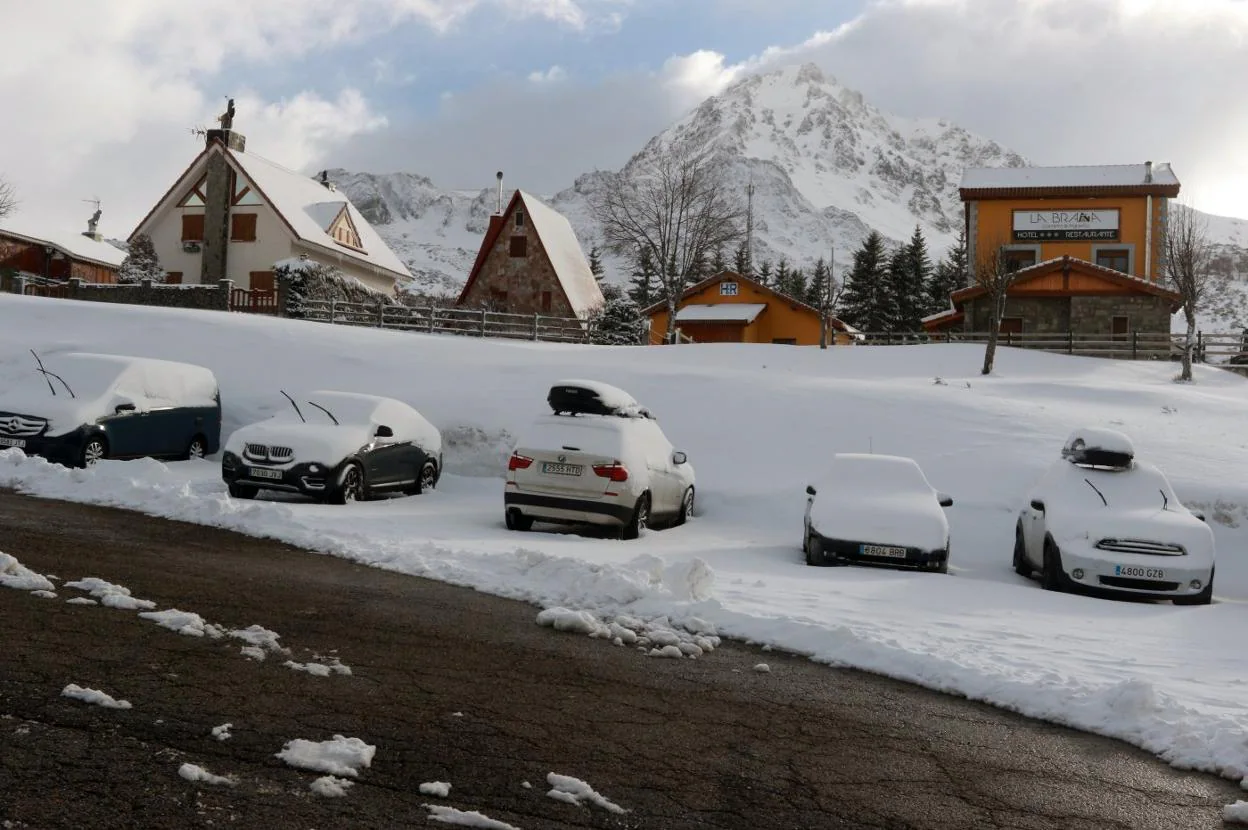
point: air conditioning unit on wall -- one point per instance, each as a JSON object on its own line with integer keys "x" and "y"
{"x": 191, "y": 247}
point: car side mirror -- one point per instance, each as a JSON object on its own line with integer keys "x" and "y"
{"x": 679, "y": 458}
{"x": 384, "y": 431}
{"x": 810, "y": 491}
{"x": 945, "y": 501}
{"x": 124, "y": 407}
{"x": 1036, "y": 504}
{"x": 1200, "y": 514}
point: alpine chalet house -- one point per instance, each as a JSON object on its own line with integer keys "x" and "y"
{"x": 1085, "y": 243}
{"x": 39, "y": 255}
{"x": 531, "y": 263}
{"x": 232, "y": 215}
{"x": 731, "y": 308}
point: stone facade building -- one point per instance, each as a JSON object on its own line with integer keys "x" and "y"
{"x": 530, "y": 262}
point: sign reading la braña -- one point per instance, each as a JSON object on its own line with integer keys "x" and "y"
{"x": 1065, "y": 225}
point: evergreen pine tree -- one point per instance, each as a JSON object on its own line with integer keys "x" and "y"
{"x": 780, "y": 279}
{"x": 141, "y": 262}
{"x": 595, "y": 263}
{"x": 866, "y": 304}
{"x": 719, "y": 264}
{"x": 741, "y": 260}
{"x": 643, "y": 288}
{"x": 618, "y": 322}
{"x": 910, "y": 270}
{"x": 817, "y": 288}
{"x": 948, "y": 276}
{"x": 763, "y": 274}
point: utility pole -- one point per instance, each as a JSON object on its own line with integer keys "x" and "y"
{"x": 749, "y": 228}
{"x": 825, "y": 302}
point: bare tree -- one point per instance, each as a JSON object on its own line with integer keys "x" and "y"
{"x": 828, "y": 297}
{"x": 1187, "y": 266}
{"x": 8, "y": 198}
{"x": 674, "y": 209}
{"x": 995, "y": 274}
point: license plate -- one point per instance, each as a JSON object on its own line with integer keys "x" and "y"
{"x": 256, "y": 472}
{"x": 883, "y": 550}
{"x": 561, "y": 469}
{"x": 1142, "y": 573}
{"x": 12, "y": 442}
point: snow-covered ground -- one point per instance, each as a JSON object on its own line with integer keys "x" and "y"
{"x": 758, "y": 422}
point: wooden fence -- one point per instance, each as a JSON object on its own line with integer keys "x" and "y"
{"x": 433, "y": 320}
{"x": 1217, "y": 347}
{"x": 253, "y": 301}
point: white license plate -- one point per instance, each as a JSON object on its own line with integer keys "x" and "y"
{"x": 883, "y": 550}
{"x": 1138, "y": 572}
{"x": 12, "y": 442}
{"x": 550, "y": 468}
{"x": 257, "y": 472}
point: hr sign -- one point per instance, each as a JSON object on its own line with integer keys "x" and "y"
{"x": 1065, "y": 225}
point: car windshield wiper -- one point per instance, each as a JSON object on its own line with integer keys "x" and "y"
{"x": 1165, "y": 500}
{"x": 326, "y": 411}
{"x": 46, "y": 374}
{"x": 295, "y": 405}
{"x": 1098, "y": 492}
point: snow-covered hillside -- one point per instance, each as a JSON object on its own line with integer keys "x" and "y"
{"x": 758, "y": 422}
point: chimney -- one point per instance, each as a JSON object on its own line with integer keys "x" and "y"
{"x": 92, "y": 224}
{"x": 1148, "y": 172}
{"x": 226, "y": 135}
{"x": 326, "y": 183}
{"x": 499, "y": 176}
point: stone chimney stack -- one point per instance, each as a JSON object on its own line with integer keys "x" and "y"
{"x": 496, "y": 218}
{"x": 92, "y": 224}
{"x": 326, "y": 183}
{"x": 219, "y": 192}
{"x": 1148, "y": 172}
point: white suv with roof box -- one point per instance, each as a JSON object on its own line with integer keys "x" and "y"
{"x": 600, "y": 459}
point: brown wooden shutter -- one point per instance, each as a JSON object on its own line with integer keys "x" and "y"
{"x": 192, "y": 227}
{"x": 261, "y": 280}
{"x": 519, "y": 246}
{"x": 243, "y": 227}
{"x": 546, "y": 298}
{"x": 173, "y": 278}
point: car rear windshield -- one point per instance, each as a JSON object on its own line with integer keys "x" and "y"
{"x": 592, "y": 434}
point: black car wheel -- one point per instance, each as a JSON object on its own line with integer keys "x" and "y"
{"x": 351, "y": 486}
{"x": 96, "y": 449}
{"x": 428, "y": 478}
{"x": 243, "y": 491}
{"x": 1205, "y": 597}
{"x": 1021, "y": 566}
{"x": 198, "y": 448}
{"x": 516, "y": 520}
{"x": 641, "y": 518}
{"x": 686, "y": 507}
{"x": 1054, "y": 578}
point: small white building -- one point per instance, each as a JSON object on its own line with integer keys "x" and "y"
{"x": 232, "y": 215}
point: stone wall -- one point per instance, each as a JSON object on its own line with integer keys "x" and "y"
{"x": 1081, "y": 315}
{"x": 516, "y": 284}
{"x": 206, "y": 297}
{"x": 1041, "y": 315}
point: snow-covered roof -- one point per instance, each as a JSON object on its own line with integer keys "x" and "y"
{"x": 566, "y": 256}
{"x": 309, "y": 207}
{"x": 73, "y": 245}
{"x": 720, "y": 312}
{"x": 1105, "y": 175}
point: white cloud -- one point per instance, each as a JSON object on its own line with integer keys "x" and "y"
{"x": 549, "y": 76}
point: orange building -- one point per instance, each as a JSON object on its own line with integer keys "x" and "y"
{"x": 731, "y": 308}
{"x": 1085, "y": 242}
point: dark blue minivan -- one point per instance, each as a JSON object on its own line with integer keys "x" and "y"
{"x": 79, "y": 408}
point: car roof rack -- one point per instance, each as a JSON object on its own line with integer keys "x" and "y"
{"x": 572, "y": 398}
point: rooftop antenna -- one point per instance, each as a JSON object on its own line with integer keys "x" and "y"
{"x": 499, "y": 176}
{"x": 749, "y": 227}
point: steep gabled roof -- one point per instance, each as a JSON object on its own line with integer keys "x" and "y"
{"x": 1011, "y": 182}
{"x": 661, "y": 305}
{"x": 73, "y": 245}
{"x": 561, "y": 246}
{"x": 1070, "y": 263}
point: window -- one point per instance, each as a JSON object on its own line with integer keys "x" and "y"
{"x": 173, "y": 278}
{"x": 1011, "y": 325}
{"x": 519, "y": 246}
{"x": 728, "y": 289}
{"x": 1121, "y": 327}
{"x": 1117, "y": 258}
{"x": 1017, "y": 260}
{"x": 498, "y": 296}
{"x": 243, "y": 227}
{"x": 785, "y": 341}
{"x": 546, "y": 301}
{"x": 261, "y": 280}
{"x": 519, "y": 219}
{"x": 192, "y": 227}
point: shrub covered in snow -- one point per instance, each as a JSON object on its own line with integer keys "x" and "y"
{"x": 306, "y": 280}
{"x": 141, "y": 263}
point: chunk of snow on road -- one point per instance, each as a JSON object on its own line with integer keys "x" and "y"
{"x": 1236, "y": 813}
{"x": 110, "y": 595}
{"x": 439, "y": 788}
{"x": 575, "y": 791}
{"x": 330, "y": 787}
{"x": 191, "y": 772}
{"x": 187, "y": 623}
{"x": 260, "y": 637}
{"x": 254, "y": 652}
{"x": 526, "y": 785}
{"x": 44, "y": 594}
{"x": 340, "y": 756}
{"x": 667, "y": 651}
{"x": 319, "y": 669}
{"x": 94, "y": 696}
{"x": 762, "y": 668}
{"x": 81, "y": 601}
{"x": 14, "y": 574}
{"x": 577, "y": 622}
{"x": 222, "y": 732}
{"x": 449, "y": 815}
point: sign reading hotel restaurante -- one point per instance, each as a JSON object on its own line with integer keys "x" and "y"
{"x": 1065, "y": 225}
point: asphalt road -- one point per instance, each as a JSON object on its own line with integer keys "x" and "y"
{"x": 452, "y": 685}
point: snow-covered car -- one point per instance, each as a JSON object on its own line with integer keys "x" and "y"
{"x": 877, "y": 509}
{"x": 343, "y": 447}
{"x": 79, "y": 408}
{"x": 1102, "y": 519}
{"x": 599, "y": 459}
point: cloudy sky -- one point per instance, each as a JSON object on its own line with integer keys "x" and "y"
{"x": 101, "y": 98}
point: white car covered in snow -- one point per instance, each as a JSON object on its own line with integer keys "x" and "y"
{"x": 1102, "y": 519}
{"x": 877, "y": 509}
{"x": 599, "y": 459}
{"x": 339, "y": 447}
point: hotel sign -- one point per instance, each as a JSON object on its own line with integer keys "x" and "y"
{"x": 1065, "y": 225}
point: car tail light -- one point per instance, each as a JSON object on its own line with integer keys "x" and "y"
{"x": 614, "y": 471}
{"x": 519, "y": 462}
